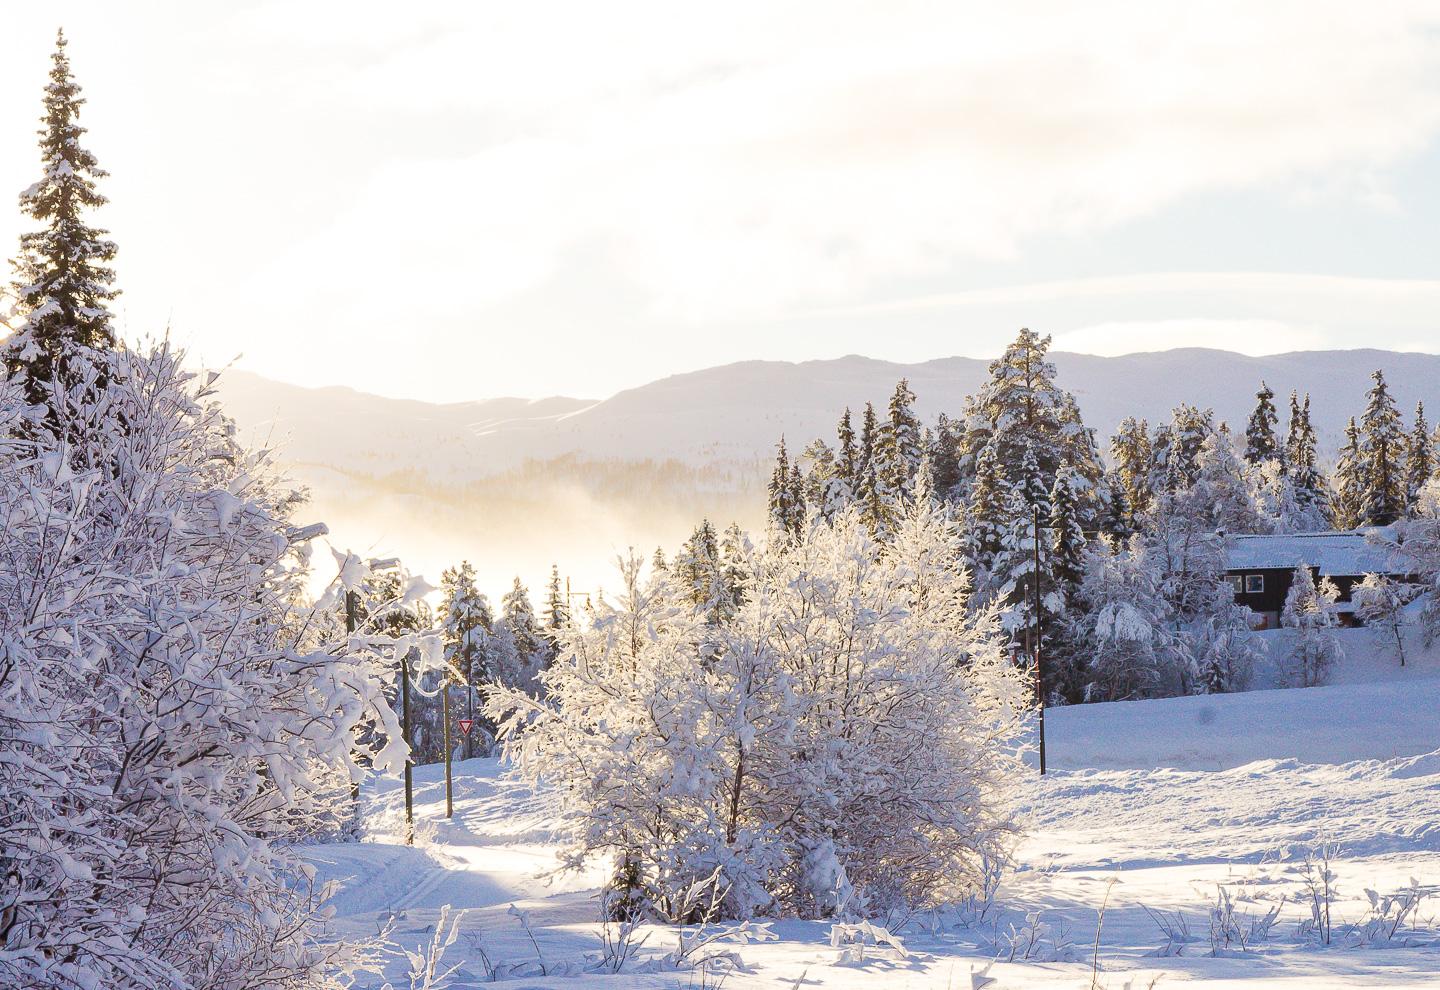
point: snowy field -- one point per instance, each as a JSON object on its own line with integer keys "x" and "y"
{"x": 1158, "y": 805}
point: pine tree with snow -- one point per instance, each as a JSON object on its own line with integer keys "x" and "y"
{"x": 989, "y": 513}
{"x": 1031, "y": 486}
{"x": 1133, "y": 459}
{"x": 944, "y": 451}
{"x": 557, "y": 606}
{"x": 1132, "y": 646}
{"x": 1120, "y": 522}
{"x": 787, "y": 495}
{"x": 703, "y": 575}
{"x": 847, "y": 454}
{"x": 898, "y": 446}
{"x": 1220, "y": 485}
{"x": 1348, "y": 502}
{"x": 465, "y": 623}
{"x": 1260, "y": 441}
{"x": 1310, "y": 612}
{"x": 1419, "y": 460}
{"x": 1176, "y": 448}
{"x": 1067, "y": 538}
{"x": 1021, "y": 404}
{"x": 1311, "y": 494}
{"x": 517, "y": 615}
{"x": 63, "y": 280}
{"x": 1382, "y": 449}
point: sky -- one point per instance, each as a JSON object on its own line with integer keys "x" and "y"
{"x": 456, "y": 201}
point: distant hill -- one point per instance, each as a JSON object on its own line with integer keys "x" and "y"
{"x": 738, "y": 411}
{"x": 440, "y": 482}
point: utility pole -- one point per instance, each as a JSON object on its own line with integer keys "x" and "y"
{"x": 1039, "y": 680}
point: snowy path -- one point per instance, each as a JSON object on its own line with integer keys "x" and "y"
{"x": 1168, "y": 834}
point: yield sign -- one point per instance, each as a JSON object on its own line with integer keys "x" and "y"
{"x": 465, "y": 724}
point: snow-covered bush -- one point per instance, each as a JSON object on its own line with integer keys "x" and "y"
{"x": 167, "y": 721}
{"x": 1380, "y": 604}
{"x": 844, "y": 743}
{"x": 1310, "y": 612}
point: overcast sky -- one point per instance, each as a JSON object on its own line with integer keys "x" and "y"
{"x": 463, "y": 200}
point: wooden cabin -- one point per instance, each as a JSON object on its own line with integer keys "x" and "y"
{"x": 1260, "y": 568}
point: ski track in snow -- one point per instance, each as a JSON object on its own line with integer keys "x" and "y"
{"x": 1161, "y": 837}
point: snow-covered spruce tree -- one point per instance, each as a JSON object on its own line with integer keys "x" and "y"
{"x": 898, "y": 448}
{"x": 166, "y": 727}
{"x": 1021, "y": 404}
{"x": 1220, "y": 484}
{"x": 1347, "y": 503}
{"x": 1133, "y": 459}
{"x": 557, "y": 607}
{"x": 465, "y": 626}
{"x": 849, "y": 730}
{"x": 63, "y": 280}
{"x": 1419, "y": 460}
{"x": 1261, "y": 444}
{"x": 1310, "y": 612}
{"x": 1176, "y": 448}
{"x": 847, "y": 454}
{"x": 944, "y": 454}
{"x": 1133, "y": 649}
{"x": 522, "y": 650}
{"x": 1382, "y": 449}
{"x": 787, "y": 494}
{"x": 1312, "y": 496}
{"x": 704, "y": 576}
{"x": 817, "y": 462}
{"x": 1064, "y": 565}
{"x": 989, "y": 514}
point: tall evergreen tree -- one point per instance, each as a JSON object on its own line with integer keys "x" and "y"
{"x": 1260, "y": 441}
{"x": 518, "y": 617}
{"x": 1067, "y": 538}
{"x": 1348, "y": 503}
{"x": 989, "y": 512}
{"x": 1133, "y": 459}
{"x": 865, "y": 476}
{"x": 944, "y": 451}
{"x": 63, "y": 280}
{"x": 1021, "y": 404}
{"x": 1419, "y": 460}
{"x": 785, "y": 485}
{"x": 557, "y": 607}
{"x": 899, "y": 446}
{"x": 846, "y": 454}
{"x": 1382, "y": 446}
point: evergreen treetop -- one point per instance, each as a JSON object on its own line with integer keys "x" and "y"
{"x": 63, "y": 280}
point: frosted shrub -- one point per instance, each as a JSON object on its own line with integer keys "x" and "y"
{"x": 1310, "y": 612}
{"x": 168, "y": 718}
{"x": 846, "y": 739}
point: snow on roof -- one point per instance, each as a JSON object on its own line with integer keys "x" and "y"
{"x": 1334, "y": 553}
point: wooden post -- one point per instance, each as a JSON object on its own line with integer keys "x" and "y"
{"x": 352, "y": 620}
{"x": 1039, "y": 680}
{"x": 445, "y": 718}
{"x": 409, "y": 760}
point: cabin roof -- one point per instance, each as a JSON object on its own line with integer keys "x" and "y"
{"x": 1346, "y": 552}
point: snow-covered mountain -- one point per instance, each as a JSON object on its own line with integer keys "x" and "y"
{"x": 514, "y": 484}
{"x": 737, "y": 411}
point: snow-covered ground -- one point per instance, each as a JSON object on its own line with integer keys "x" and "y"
{"x": 1156, "y": 804}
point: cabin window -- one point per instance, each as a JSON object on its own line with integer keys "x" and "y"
{"x": 1237, "y": 583}
{"x": 1254, "y": 584}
